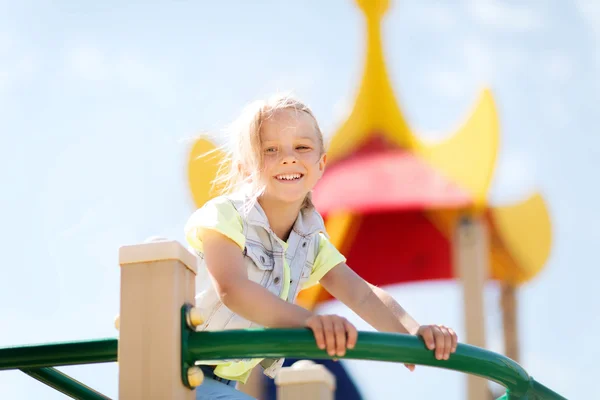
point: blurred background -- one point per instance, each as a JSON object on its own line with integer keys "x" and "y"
{"x": 101, "y": 101}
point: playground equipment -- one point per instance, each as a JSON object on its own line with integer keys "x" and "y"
{"x": 158, "y": 346}
{"x": 402, "y": 210}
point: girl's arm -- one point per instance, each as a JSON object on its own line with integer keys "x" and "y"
{"x": 382, "y": 312}
{"x": 372, "y": 304}
{"x": 226, "y": 267}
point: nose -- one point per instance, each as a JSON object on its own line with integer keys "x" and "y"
{"x": 288, "y": 160}
{"x": 288, "y": 157}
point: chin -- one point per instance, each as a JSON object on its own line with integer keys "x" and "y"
{"x": 290, "y": 198}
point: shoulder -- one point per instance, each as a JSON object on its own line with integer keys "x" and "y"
{"x": 221, "y": 207}
{"x": 324, "y": 243}
{"x": 310, "y": 222}
{"x": 225, "y": 202}
{"x": 219, "y": 214}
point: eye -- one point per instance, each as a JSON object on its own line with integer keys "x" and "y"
{"x": 302, "y": 147}
{"x": 271, "y": 150}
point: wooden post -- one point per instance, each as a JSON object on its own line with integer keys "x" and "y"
{"x": 508, "y": 300}
{"x": 157, "y": 279}
{"x": 470, "y": 248}
{"x": 305, "y": 380}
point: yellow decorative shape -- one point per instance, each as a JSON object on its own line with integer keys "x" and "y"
{"x": 376, "y": 110}
{"x": 203, "y": 165}
{"x": 502, "y": 266}
{"x": 468, "y": 158}
{"x": 525, "y": 231}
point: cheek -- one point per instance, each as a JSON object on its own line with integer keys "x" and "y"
{"x": 267, "y": 166}
{"x": 310, "y": 158}
{"x": 268, "y": 163}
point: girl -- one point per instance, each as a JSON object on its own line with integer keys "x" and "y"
{"x": 263, "y": 241}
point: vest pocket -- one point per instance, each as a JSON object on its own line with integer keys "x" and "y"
{"x": 261, "y": 258}
{"x": 260, "y": 264}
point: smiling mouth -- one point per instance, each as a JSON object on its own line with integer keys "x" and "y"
{"x": 288, "y": 177}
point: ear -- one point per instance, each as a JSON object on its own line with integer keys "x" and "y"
{"x": 242, "y": 171}
{"x": 323, "y": 162}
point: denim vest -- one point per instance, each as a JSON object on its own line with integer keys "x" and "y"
{"x": 264, "y": 258}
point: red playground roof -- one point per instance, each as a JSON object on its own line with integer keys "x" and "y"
{"x": 385, "y": 181}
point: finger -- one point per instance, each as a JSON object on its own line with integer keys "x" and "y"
{"x": 427, "y": 335}
{"x": 340, "y": 336}
{"x": 439, "y": 342}
{"x": 447, "y": 342}
{"x": 329, "y": 336}
{"x": 352, "y": 334}
{"x": 454, "y": 338}
{"x": 411, "y": 367}
{"x": 317, "y": 327}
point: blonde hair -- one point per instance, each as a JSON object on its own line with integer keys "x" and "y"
{"x": 241, "y": 167}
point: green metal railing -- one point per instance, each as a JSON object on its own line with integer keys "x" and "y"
{"x": 370, "y": 346}
{"x": 37, "y": 360}
{"x": 64, "y": 383}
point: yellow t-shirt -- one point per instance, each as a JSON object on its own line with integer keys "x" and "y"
{"x": 220, "y": 215}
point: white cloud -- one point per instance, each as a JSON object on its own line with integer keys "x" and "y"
{"x": 6, "y": 43}
{"x": 590, "y": 12}
{"x": 500, "y": 15}
{"x": 477, "y": 64}
{"x": 515, "y": 178}
{"x": 449, "y": 83}
{"x": 302, "y": 82}
{"x": 558, "y": 111}
{"x": 88, "y": 63}
{"x": 474, "y": 69}
{"x": 92, "y": 64}
{"x": 434, "y": 16}
{"x": 558, "y": 67}
{"x": 144, "y": 76}
{"x": 17, "y": 64}
{"x": 481, "y": 62}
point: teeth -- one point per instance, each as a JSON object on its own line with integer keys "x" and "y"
{"x": 289, "y": 177}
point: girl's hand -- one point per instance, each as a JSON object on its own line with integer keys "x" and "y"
{"x": 333, "y": 333}
{"x": 439, "y": 338}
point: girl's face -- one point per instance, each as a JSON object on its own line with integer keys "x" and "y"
{"x": 292, "y": 159}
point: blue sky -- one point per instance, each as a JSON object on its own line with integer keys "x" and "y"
{"x": 99, "y": 102}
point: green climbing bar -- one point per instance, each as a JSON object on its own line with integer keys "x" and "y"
{"x": 274, "y": 343}
{"x": 57, "y": 354}
{"x": 64, "y": 384}
{"x": 300, "y": 343}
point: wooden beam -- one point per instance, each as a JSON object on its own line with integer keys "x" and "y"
{"x": 471, "y": 264}
{"x": 508, "y": 301}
